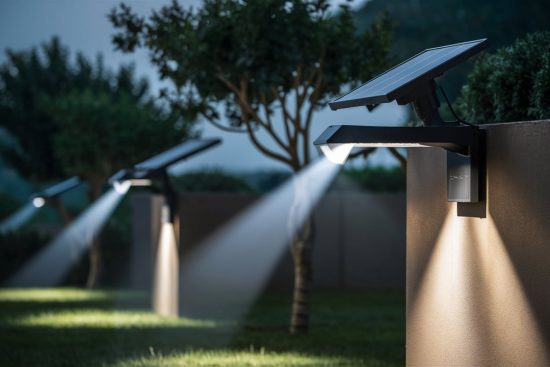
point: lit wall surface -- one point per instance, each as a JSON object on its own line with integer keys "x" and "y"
{"x": 478, "y": 276}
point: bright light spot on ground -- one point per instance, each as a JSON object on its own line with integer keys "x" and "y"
{"x": 258, "y": 357}
{"x": 105, "y": 319}
{"x": 51, "y": 295}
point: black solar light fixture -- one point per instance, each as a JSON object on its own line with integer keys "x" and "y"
{"x": 40, "y": 198}
{"x": 156, "y": 168}
{"x": 413, "y": 82}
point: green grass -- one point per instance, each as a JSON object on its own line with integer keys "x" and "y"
{"x": 71, "y": 327}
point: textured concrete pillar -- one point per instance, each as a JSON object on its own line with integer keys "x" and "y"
{"x": 146, "y": 220}
{"x": 478, "y": 275}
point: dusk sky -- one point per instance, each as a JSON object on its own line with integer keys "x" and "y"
{"x": 82, "y": 26}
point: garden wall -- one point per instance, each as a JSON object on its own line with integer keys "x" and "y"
{"x": 359, "y": 236}
{"x": 478, "y": 275}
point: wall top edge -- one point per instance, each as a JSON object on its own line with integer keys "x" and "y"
{"x": 515, "y": 123}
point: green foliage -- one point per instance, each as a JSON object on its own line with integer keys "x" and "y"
{"x": 512, "y": 84}
{"x": 71, "y": 327}
{"x": 265, "y": 181}
{"x": 210, "y": 181}
{"x": 106, "y": 130}
{"x": 24, "y": 79}
{"x": 427, "y": 23}
{"x": 78, "y": 118}
{"x": 254, "y": 57}
{"x": 8, "y": 205}
{"x": 379, "y": 178}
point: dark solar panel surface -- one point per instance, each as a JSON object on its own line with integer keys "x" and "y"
{"x": 426, "y": 65}
{"x": 60, "y": 187}
{"x": 177, "y": 153}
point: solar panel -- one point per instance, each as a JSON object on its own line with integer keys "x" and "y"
{"x": 58, "y": 188}
{"x": 409, "y": 77}
{"x": 182, "y": 151}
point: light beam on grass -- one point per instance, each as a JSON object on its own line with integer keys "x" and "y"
{"x": 228, "y": 270}
{"x": 20, "y": 217}
{"x": 48, "y": 267}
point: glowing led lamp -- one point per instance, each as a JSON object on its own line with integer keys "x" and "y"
{"x": 39, "y": 199}
{"x": 38, "y": 202}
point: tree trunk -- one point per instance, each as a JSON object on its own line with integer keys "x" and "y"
{"x": 302, "y": 251}
{"x": 95, "y": 262}
{"x": 95, "y": 246}
{"x": 66, "y": 218}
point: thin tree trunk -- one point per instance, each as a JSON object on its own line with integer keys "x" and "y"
{"x": 66, "y": 218}
{"x": 95, "y": 263}
{"x": 302, "y": 250}
{"x": 95, "y": 246}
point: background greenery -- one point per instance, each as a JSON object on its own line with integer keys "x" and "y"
{"x": 422, "y": 24}
{"x": 511, "y": 84}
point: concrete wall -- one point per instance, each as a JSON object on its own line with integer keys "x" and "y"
{"x": 360, "y": 237}
{"x": 478, "y": 276}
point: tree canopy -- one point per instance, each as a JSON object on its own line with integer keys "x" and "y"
{"x": 78, "y": 118}
{"x": 25, "y": 78}
{"x": 255, "y": 57}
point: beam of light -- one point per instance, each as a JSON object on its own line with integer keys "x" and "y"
{"x": 441, "y": 319}
{"x": 337, "y": 153}
{"x": 19, "y": 218}
{"x": 166, "y": 277}
{"x": 48, "y": 267}
{"x": 516, "y": 335}
{"x": 471, "y": 308}
{"x": 226, "y": 272}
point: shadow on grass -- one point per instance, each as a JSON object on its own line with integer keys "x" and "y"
{"x": 356, "y": 326}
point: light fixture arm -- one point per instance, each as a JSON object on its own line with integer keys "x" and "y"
{"x": 464, "y": 146}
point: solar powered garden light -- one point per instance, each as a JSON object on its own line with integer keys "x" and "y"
{"x": 155, "y": 168}
{"x": 165, "y": 280}
{"x": 39, "y": 199}
{"x": 413, "y": 82}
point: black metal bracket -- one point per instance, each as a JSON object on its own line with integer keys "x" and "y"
{"x": 466, "y": 173}
{"x": 465, "y": 148}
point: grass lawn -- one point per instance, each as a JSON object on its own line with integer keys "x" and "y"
{"x": 71, "y": 327}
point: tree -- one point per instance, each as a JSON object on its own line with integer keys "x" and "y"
{"x": 82, "y": 119}
{"x": 512, "y": 84}
{"x": 107, "y": 128}
{"x": 255, "y": 57}
{"x": 25, "y": 79}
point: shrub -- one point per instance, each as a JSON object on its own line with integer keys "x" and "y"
{"x": 8, "y": 205}
{"x": 512, "y": 84}
{"x": 210, "y": 181}
{"x": 386, "y": 179}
